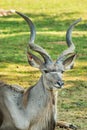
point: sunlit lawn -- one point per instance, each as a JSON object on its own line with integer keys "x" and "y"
{"x": 51, "y": 18}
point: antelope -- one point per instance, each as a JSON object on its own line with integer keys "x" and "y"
{"x": 36, "y": 107}
{"x": 5, "y": 12}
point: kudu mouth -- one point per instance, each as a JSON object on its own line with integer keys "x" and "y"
{"x": 59, "y": 84}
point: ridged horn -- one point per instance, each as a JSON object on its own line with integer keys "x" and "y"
{"x": 33, "y": 46}
{"x": 69, "y": 41}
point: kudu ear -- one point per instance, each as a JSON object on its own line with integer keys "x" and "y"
{"x": 69, "y": 62}
{"x": 34, "y": 60}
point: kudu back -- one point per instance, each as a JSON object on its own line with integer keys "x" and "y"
{"x": 36, "y": 107}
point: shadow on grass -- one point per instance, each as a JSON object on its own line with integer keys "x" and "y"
{"x": 44, "y": 22}
{"x": 12, "y": 50}
{"x": 74, "y": 97}
{"x": 13, "y": 47}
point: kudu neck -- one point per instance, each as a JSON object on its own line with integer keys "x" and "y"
{"x": 42, "y": 83}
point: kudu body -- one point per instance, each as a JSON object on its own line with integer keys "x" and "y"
{"x": 35, "y": 108}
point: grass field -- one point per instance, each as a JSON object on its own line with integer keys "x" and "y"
{"x": 51, "y": 18}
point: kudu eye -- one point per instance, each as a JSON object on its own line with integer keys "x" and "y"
{"x": 62, "y": 71}
{"x": 46, "y": 71}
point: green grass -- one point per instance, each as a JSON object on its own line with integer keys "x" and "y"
{"x": 51, "y": 18}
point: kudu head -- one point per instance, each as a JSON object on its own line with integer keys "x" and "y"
{"x": 52, "y": 71}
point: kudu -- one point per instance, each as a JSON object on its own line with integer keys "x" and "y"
{"x": 36, "y": 107}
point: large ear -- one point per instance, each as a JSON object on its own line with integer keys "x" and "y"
{"x": 69, "y": 62}
{"x": 34, "y": 60}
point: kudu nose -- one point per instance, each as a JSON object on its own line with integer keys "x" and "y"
{"x": 60, "y": 83}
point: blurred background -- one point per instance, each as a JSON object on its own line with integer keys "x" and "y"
{"x": 52, "y": 19}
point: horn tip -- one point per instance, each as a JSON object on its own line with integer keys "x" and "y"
{"x": 80, "y": 19}
{"x": 12, "y": 11}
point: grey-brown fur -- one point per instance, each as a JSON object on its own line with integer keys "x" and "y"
{"x": 36, "y": 107}
{"x": 44, "y": 102}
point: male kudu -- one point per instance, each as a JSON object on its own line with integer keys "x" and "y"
{"x": 36, "y": 107}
